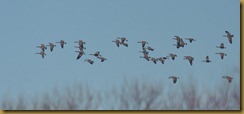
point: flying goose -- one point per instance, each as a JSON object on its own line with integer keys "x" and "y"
{"x": 229, "y": 36}
{"x": 207, "y": 60}
{"x": 190, "y": 39}
{"x": 81, "y": 52}
{"x": 81, "y": 43}
{"x": 61, "y": 43}
{"x": 174, "y": 78}
{"x": 161, "y": 59}
{"x": 221, "y": 46}
{"x": 182, "y": 43}
{"x": 43, "y": 47}
{"x": 125, "y": 44}
{"x": 101, "y": 58}
{"x": 89, "y": 61}
{"x": 96, "y": 54}
{"x": 144, "y": 51}
{"x": 221, "y": 54}
{"x": 51, "y": 46}
{"x": 149, "y": 48}
{"x": 123, "y": 39}
{"x": 189, "y": 58}
{"x": 146, "y": 57}
{"x": 42, "y": 53}
{"x": 143, "y": 43}
{"x": 117, "y": 42}
{"x": 154, "y": 60}
{"x": 229, "y": 78}
{"x": 172, "y": 55}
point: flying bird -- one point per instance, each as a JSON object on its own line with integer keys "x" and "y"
{"x": 143, "y": 43}
{"x": 96, "y": 54}
{"x": 190, "y": 39}
{"x": 101, "y": 58}
{"x": 81, "y": 52}
{"x": 229, "y": 36}
{"x": 117, "y": 42}
{"x": 51, "y": 45}
{"x": 221, "y": 46}
{"x": 207, "y": 60}
{"x": 61, "y": 43}
{"x": 89, "y": 61}
{"x": 174, "y": 78}
{"x": 189, "y": 58}
{"x": 229, "y": 78}
{"x": 42, "y": 53}
{"x": 221, "y": 55}
{"x": 43, "y": 47}
{"x": 172, "y": 55}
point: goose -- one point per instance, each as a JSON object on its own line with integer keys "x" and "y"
{"x": 182, "y": 43}
{"x": 81, "y": 52}
{"x": 189, "y": 58}
{"x": 149, "y": 48}
{"x": 62, "y": 42}
{"x": 229, "y": 36}
{"x": 207, "y": 60}
{"x": 154, "y": 60}
{"x": 89, "y": 61}
{"x": 221, "y": 46}
{"x": 43, "y": 47}
{"x": 229, "y": 78}
{"x": 42, "y": 53}
{"x": 144, "y": 51}
{"x": 80, "y": 42}
{"x": 117, "y": 42}
{"x": 172, "y": 55}
{"x": 190, "y": 39}
{"x": 161, "y": 59}
{"x": 143, "y": 43}
{"x": 174, "y": 78}
{"x": 125, "y": 44}
{"x": 51, "y": 46}
{"x": 96, "y": 54}
{"x": 146, "y": 57}
{"x": 101, "y": 58}
{"x": 221, "y": 54}
{"x": 123, "y": 39}
{"x": 177, "y": 38}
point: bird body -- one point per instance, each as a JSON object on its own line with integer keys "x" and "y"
{"x": 143, "y": 43}
{"x": 81, "y": 52}
{"x": 89, "y": 61}
{"x": 207, "y": 60}
{"x": 43, "y": 47}
{"x": 221, "y": 55}
{"x": 42, "y": 53}
{"x": 117, "y": 42}
{"x": 189, "y": 58}
{"x": 190, "y": 39}
{"x": 51, "y": 45}
{"x": 229, "y": 36}
{"x": 221, "y": 46}
{"x": 62, "y": 42}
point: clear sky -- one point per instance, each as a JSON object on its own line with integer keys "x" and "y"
{"x": 26, "y": 24}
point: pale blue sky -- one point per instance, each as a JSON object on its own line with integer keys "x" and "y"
{"x": 27, "y": 23}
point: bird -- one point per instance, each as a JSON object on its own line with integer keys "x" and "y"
{"x": 221, "y": 46}
{"x": 146, "y": 57}
{"x": 189, "y": 58}
{"x": 123, "y": 39}
{"x": 81, "y": 43}
{"x": 42, "y": 53}
{"x": 124, "y": 44}
{"x": 89, "y": 61}
{"x": 229, "y": 36}
{"x": 96, "y": 54}
{"x": 177, "y": 38}
{"x": 117, "y": 42}
{"x": 172, "y": 55}
{"x": 62, "y": 42}
{"x": 182, "y": 43}
{"x": 144, "y": 51}
{"x": 143, "y": 43}
{"x": 149, "y": 48}
{"x": 51, "y": 46}
{"x": 81, "y": 52}
{"x": 154, "y": 60}
{"x": 190, "y": 39}
{"x": 161, "y": 59}
{"x": 174, "y": 78}
{"x": 207, "y": 60}
{"x": 221, "y": 54}
{"x": 101, "y": 58}
{"x": 43, "y": 47}
{"x": 229, "y": 78}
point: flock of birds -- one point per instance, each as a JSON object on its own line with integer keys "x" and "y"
{"x": 145, "y": 50}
